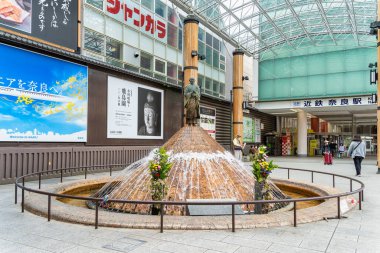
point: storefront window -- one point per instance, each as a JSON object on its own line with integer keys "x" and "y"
{"x": 160, "y": 8}
{"x": 96, "y": 3}
{"x": 94, "y": 41}
{"x": 160, "y": 66}
{"x": 172, "y": 35}
{"x": 146, "y": 61}
{"x": 171, "y": 70}
{"x": 148, "y": 4}
{"x": 113, "y": 48}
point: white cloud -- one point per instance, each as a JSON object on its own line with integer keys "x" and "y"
{"x": 6, "y": 117}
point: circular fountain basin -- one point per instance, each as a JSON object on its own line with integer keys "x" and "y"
{"x": 76, "y": 211}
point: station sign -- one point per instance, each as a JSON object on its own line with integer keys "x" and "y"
{"x": 333, "y": 102}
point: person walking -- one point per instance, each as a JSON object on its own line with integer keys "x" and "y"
{"x": 238, "y": 147}
{"x": 357, "y": 151}
{"x": 341, "y": 150}
{"x": 326, "y": 152}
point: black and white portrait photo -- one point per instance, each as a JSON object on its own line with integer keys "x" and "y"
{"x": 149, "y": 112}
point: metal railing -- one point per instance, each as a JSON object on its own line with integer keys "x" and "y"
{"x": 20, "y": 183}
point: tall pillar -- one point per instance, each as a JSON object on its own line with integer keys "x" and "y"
{"x": 190, "y": 52}
{"x": 302, "y": 133}
{"x": 238, "y": 92}
{"x": 378, "y": 91}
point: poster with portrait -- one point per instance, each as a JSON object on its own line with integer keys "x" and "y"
{"x": 248, "y": 130}
{"x": 54, "y": 21}
{"x": 208, "y": 120}
{"x": 42, "y": 99}
{"x": 134, "y": 111}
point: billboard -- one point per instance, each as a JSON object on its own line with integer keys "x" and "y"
{"x": 248, "y": 130}
{"x": 42, "y": 99}
{"x": 134, "y": 111}
{"x": 208, "y": 120}
{"x": 54, "y": 21}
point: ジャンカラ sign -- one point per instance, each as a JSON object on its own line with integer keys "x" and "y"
{"x": 53, "y": 21}
{"x": 42, "y": 99}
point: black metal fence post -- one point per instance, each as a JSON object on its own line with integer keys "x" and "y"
{"x": 312, "y": 176}
{"x": 22, "y": 195}
{"x": 350, "y": 185}
{"x": 15, "y": 193}
{"x": 39, "y": 180}
{"x": 162, "y": 218}
{"x": 288, "y": 173}
{"x": 49, "y": 207}
{"x": 362, "y": 195}
{"x": 233, "y": 217}
{"x": 338, "y": 207}
{"x": 85, "y": 173}
{"x": 360, "y": 200}
{"x": 110, "y": 171}
{"x": 96, "y": 214}
{"x": 295, "y": 214}
{"x": 61, "y": 175}
{"x": 334, "y": 181}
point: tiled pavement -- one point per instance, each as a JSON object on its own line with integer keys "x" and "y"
{"x": 359, "y": 232}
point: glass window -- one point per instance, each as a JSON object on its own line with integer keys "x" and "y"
{"x": 209, "y": 39}
{"x": 222, "y": 90}
{"x": 114, "y": 62}
{"x": 201, "y": 80}
{"x": 172, "y": 16}
{"x": 201, "y": 34}
{"x": 180, "y": 75}
{"x": 209, "y": 55}
{"x": 171, "y": 70}
{"x": 148, "y": 4}
{"x": 160, "y": 77}
{"x": 215, "y": 88}
{"x": 160, "y": 66}
{"x": 208, "y": 84}
{"x": 222, "y": 58}
{"x": 215, "y": 59}
{"x": 172, "y": 35}
{"x": 131, "y": 68}
{"x": 222, "y": 67}
{"x": 146, "y": 72}
{"x": 146, "y": 61}
{"x": 93, "y": 41}
{"x": 113, "y": 48}
{"x": 215, "y": 43}
{"x": 96, "y": 3}
{"x": 180, "y": 39}
{"x": 160, "y": 8}
{"x": 201, "y": 48}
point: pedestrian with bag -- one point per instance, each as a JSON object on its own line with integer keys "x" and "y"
{"x": 326, "y": 152}
{"x": 357, "y": 151}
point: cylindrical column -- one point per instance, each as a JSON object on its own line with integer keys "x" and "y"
{"x": 238, "y": 92}
{"x": 378, "y": 92}
{"x": 190, "y": 51}
{"x": 302, "y": 133}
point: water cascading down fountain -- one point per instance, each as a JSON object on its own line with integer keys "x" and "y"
{"x": 202, "y": 169}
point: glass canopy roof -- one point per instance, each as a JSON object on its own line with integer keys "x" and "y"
{"x": 271, "y": 28}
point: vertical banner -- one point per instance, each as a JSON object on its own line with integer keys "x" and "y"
{"x": 134, "y": 111}
{"x": 248, "y": 130}
{"x": 257, "y": 130}
{"x": 208, "y": 120}
{"x": 54, "y": 21}
{"x": 42, "y": 99}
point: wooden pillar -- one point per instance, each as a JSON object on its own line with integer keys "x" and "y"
{"x": 190, "y": 69}
{"x": 238, "y": 92}
{"x": 191, "y": 45}
{"x": 378, "y": 91}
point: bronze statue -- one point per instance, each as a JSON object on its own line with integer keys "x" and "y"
{"x": 192, "y": 97}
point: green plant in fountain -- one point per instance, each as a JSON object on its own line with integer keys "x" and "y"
{"x": 159, "y": 169}
{"x": 261, "y": 170}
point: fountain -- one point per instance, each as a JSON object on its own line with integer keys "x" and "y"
{"x": 202, "y": 169}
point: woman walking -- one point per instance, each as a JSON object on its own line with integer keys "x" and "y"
{"x": 357, "y": 151}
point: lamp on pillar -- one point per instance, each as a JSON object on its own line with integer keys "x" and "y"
{"x": 373, "y": 73}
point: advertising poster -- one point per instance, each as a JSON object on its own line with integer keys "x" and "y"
{"x": 42, "y": 99}
{"x": 248, "y": 130}
{"x": 54, "y": 21}
{"x": 208, "y": 120}
{"x": 134, "y": 111}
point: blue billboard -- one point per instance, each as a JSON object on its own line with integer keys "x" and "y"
{"x": 42, "y": 99}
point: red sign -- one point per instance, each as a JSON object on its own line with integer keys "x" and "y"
{"x": 132, "y": 15}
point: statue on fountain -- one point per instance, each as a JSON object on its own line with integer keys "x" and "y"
{"x": 192, "y": 97}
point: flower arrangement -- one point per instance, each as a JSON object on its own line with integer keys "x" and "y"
{"x": 261, "y": 167}
{"x": 159, "y": 168}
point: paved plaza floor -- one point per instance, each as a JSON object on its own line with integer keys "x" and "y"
{"x": 358, "y": 232}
